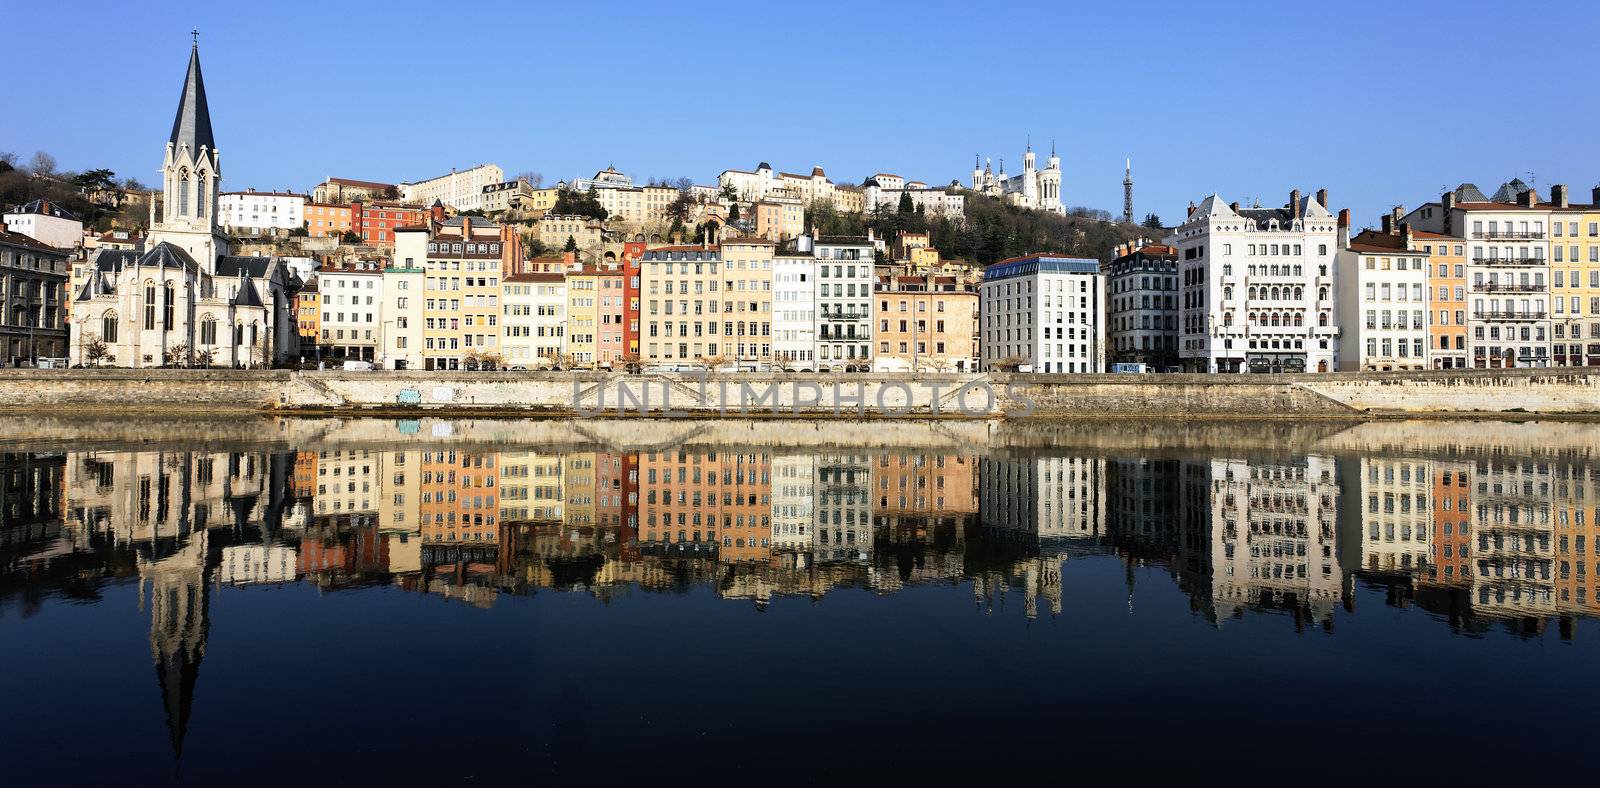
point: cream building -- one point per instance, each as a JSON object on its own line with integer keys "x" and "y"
{"x": 747, "y": 302}
{"x": 553, "y": 230}
{"x": 462, "y": 190}
{"x": 400, "y": 332}
{"x": 681, "y": 303}
{"x": 1383, "y": 301}
{"x": 257, "y": 213}
{"x": 535, "y": 319}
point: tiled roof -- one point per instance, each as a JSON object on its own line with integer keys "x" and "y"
{"x": 18, "y": 239}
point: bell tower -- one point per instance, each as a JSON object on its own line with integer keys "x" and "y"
{"x": 191, "y": 174}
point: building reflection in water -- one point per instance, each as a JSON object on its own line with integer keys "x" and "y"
{"x": 1473, "y": 535}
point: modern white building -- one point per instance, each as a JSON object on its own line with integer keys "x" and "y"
{"x": 47, "y": 223}
{"x": 1383, "y": 301}
{"x": 1043, "y": 313}
{"x": 1257, "y": 287}
{"x": 259, "y": 213}
{"x": 1034, "y": 188}
{"x": 844, "y": 301}
{"x": 794, "y": 310}
{"x": 401, "y": 337}
{"x": 458, "y": 189}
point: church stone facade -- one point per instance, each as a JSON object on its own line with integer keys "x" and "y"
{"x": 1037, "y": 189}
{"x": 186, "y": 300}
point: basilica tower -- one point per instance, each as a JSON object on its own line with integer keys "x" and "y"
{"x": 191, "y": 173}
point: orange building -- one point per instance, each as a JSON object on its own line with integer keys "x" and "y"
{"x": 1449, "y": 562}
{"x": 325, "y": 219}
{"x": 374, "y": 222}
{"x": 926, "y": 324}
{"x": 460, "y": 501}
{"x": 305, "y": 474}
{"x": 708, "y": 501}
{"x": 308, "y": 314}
{"x": 1576, "y": 520}
{"x": 1447, "y": 298}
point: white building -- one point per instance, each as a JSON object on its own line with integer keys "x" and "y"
{"x": 535, "y": 319}
{"x": 1257, "y": 287}
{"x": 351, "y": 298}
{"x": 844, "y": 301}
{"x": 793, "y": 502}
{"x": 794, "y": 310}
{"x": 933, "y": 202}
{"x": 1055, "y": 497}
{"x": 47, "y": 223}
{"x": 1383, "y": 301}
{"x": 1508, "y": 270}
{"x": 258, "y": 213}
{"x": 1397, "y": 514}
{"x": 765, "y": 183}
{"x": 458, "y": 189}
{"x": 1034, "y": 188}
{"x": 1043, "y": 313}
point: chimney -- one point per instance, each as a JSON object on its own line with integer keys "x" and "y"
{"x": 1395, "y": 214}
{"x": 1344, "y": 217}
{"x": 1234, "y": 205}
{"x": 1322, "y": 197}
{"x": 1528, "y": 198}
{"x": 1405, "y": 232}
{"x": 1294, "y": 203}
{"x": 1594, "y": 196}
{"x": 1447, "y": 204}
{"x": 1388, "y": 224}
{"x": 1191, "y": 205}
{"x": 1558, "y": 195}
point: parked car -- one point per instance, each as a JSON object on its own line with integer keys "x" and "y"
{"x": 358, "y": 366}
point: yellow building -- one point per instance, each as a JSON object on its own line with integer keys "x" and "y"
{"x": 747, "y": 301}
{"x": 542, "y": 201}
{"x": 464, "y": 261}
{"x": 583, "y": 315}
{"x": 681, "y": 320}
{"x": 1575, "y": 279}
{"x": 849, "y": 200}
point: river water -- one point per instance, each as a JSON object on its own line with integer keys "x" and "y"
{"x": 397, "y": 603}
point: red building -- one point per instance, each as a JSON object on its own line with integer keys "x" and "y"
{"x": 631, "y": 252}
{"x": 375, "y": 221}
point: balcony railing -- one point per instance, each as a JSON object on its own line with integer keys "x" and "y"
{"x": 1494, "y": 287}
{"x": 1508, "y": 260}
{"x": 1508, "y": 315}
{"x": 843, "y": 315}
{"x": 1509, "y": 235}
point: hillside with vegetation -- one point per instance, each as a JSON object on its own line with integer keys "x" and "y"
{"x": 40, "y": 179}
{"x": 993, "y": 230}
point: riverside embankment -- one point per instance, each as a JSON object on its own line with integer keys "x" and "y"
{"x": 1550, "y": 392}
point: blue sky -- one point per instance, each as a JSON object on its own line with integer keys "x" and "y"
{"x": 1381, "y": 103}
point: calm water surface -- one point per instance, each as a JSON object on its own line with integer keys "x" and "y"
{"x": 429, "y": 611}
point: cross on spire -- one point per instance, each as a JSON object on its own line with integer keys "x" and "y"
{"x": 195, "y": 34}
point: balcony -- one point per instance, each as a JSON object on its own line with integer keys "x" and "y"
{"x": 1509, "y": 235}
{"x": 1494, "y": 287}
{"x": 1503, "y": 315}
{"x": 841, "y": 314}
{"x": 1508, "y": 261}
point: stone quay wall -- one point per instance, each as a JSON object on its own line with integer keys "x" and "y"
{"x": 1565, "y": 392}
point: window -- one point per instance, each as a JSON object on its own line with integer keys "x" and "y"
{"x": 149, "y": 307}
{"x": 108, "y": 327}
{"x": 168, "y": 308}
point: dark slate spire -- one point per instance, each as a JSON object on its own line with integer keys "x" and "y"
{"x": 192, "y": 126}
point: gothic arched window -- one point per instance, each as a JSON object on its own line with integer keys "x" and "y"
{"x": 200, "y": 194}
{"x": 183, "y": 192}
{"x": 208, "y": 330}
{"x": 168, "y": 308}
{"x": 108, "y": 327}
{"x": 149, "y": 306}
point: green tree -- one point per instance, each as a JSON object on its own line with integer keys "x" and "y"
{"x": 570, "y": 202}
{"x": 905, "y": 203}
{"x": 729, "y": 194}
{"x": 95, "y": 180}
{"x": 1152, "y": 221}
{"x": 572, "y": 245}
{"x": 733, "y": 212}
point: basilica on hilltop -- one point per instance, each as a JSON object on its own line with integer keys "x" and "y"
{"x": 1034, "y": 188}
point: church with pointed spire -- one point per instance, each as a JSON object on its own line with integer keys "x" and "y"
{"x": 186, "y": 300}
{"x": 1037, "y": 189}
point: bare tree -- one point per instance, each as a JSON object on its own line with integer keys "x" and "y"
{"x": 534, "y": 179}
{"x": 177, "y": 355}
{"x": 95, "y": 350}
{"x": 42, "y": 164}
